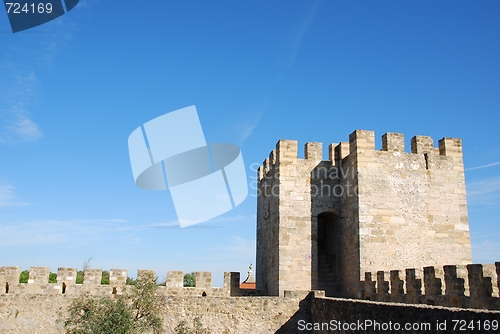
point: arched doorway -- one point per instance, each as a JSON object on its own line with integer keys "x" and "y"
{"x": 328, "y": 253}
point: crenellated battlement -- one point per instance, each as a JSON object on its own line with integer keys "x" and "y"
{"x": 360, "y": 142}
{"x": 38, "y": 283}
{"x": 464, "y": 286}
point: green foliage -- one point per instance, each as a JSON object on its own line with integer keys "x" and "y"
{"x": 23, "y": 278}
{"x": 146, "y": 306}
{"x": 190, "y": 279}
{"x": 52, "y": 278}
{"x": 105, "y": 277}
{"x": 196, "y": 329}
{"x": 79, "y": 273}
{"x": 79, "y": 277}
{"x": 137, "y": 310}
{"x": 99, "y": 315}
{"x": 130, "y": 281}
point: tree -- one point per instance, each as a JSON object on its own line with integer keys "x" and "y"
{"x": 105, "y": 277}
{"x": 197, "y": 328}
{"x": 99, "y": 315}
{"x": 190, "y": 279}
{"x": 23, "y": 278}
{"x": 146, "y": 306}
{"x": 52, "y": 278}
{"x": 80, "y": 273}
{"x": 130, "y": 281}
{"x": 105, "y": 274}
{"x": 137, "y": 310}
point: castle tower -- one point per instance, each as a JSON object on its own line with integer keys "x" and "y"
{"x": 322, "y": 223}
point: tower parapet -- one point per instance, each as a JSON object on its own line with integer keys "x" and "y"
{"x": 470, "y": 286}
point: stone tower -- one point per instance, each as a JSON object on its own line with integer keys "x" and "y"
{"x": 322, "y": 223}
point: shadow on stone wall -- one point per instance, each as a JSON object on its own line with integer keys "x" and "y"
{"x": 303, "y": 313}
{"x": 360, "y": 316}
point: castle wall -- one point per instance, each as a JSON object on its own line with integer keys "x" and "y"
{"x": 267, "y": 260}
{"x": 395, "y": 209}
{"x": 412, "y": 206}
{"x": 349, "y": 222}
{"x": 40, "y": 307}
{"x": 332, "y": 315}
{"x": 470, "y": 286}
{"x": 325, "y": 181}
{"x": 284, "y": 224}
{"x": 23, "y": 313}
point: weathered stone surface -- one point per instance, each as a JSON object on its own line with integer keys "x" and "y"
{"x": 377, "y": 210}
{"x": 24, "y": 313}
{"x": 377, "y": 317}
{"x": 43, "y": 314}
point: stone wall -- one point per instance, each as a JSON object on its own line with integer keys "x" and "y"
{"x": 393, "y": 210}
{"x": 412, "y": 206}
{"x": 38, "y": 283}
{"x": 43, "y": 313}
{"x": 23, "y": 313}
{"x": 470, "y": 286}
{"x": 267, "y": 259}
{"x": 285, "y": 226}
{"x": 336, "y": 315}
{"x": 39, "y": 306}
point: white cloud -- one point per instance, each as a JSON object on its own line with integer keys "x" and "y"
{"x": 19, "y": 89}
{"x": 484, "y": 192}
{"x": 245, "y": 127}
{"x": 486, "y": 252}
{"x": 484, "y": 166}
{"x": 24, "y": 128}
{"x": 15, "y": 120}
{"x": 56, "y": 232}
{"x": 8, "y": 198}
{"x": 230, "y": 219}
{"x": 300, "y": 33}
{"x": 241, "y": 247}
{"x": 169, "y": 224}
{"x": 175, "y": 224}
{"x": 87, "y": 221}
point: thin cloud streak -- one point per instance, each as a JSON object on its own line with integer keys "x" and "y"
{"x": 20, "y": 86}
{"x": 15, "y": 119}
{"x": 486, "y": 252}
{"x": 8, "y": 197}
{"x": 483, "y": 187}
{"x": 174, "y": 224}
{"x": 57, "y": 232}
{"x": 484, "y": 192}
{"x": 247, "y": 128}
{"x": 484, "y": 166}
{"x": 303, "y": 27}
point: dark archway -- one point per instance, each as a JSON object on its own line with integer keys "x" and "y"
{"x": 328, "y": 253}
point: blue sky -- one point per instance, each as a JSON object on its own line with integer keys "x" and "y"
{"x": 72, "y": 91}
